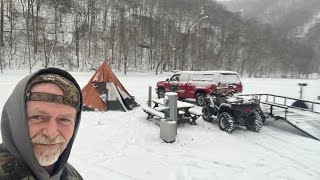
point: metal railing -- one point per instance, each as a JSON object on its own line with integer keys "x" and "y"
{"x": 287, "y": 101}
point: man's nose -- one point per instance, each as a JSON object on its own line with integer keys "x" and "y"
{"x": 51, "y": 130}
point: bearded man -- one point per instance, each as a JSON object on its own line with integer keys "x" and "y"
{"x": 38, "y": 125}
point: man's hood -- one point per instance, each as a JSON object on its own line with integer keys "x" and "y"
{"x": 15, "y": 131}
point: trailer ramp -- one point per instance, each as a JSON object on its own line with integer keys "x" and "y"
{"x": 305, "y": 122}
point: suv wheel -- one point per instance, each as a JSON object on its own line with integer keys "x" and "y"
{"x": 200, "y": 99}
{"x": 226, "y": 122}
{"x": 161, "y": 93}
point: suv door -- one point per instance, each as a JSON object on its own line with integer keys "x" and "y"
{"x": 178, "y": 84}
{"x": 183, "y": 85}
{"x": 174, "y": 83}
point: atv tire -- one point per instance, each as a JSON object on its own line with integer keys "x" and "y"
{"x": 254, "y": 122}
{"x": 206, "y": 113}
{"x": 262, "y": 115}
{"x": 200, "y": 99}
{"x": 160, "y": 93}
{"x": 226, "y": 122}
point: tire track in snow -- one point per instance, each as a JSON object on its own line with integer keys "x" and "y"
{"x": 281, "y": 147}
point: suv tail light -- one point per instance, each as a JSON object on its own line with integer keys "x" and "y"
{"x": 239, "y": 88}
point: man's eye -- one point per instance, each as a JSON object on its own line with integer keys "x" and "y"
{"x": 37, "y": 118}
{"x": 65, "y": 121}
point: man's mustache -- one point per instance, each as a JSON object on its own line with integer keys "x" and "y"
{"x": 40, "y": 139}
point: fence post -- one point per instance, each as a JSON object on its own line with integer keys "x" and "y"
{"x": 301, "y": 87}
{"x": 149, "y": 96}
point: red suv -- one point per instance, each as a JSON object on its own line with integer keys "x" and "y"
{"x": 197, "y": 84}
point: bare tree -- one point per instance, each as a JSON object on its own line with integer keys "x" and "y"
{"x": 1, "y": 35}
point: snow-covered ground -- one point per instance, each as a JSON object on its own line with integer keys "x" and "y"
{"x": 125, "y": 146}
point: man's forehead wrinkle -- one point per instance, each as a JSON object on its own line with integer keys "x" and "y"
{"x": 38, "y": 110}
{"x": 36, "y": 107}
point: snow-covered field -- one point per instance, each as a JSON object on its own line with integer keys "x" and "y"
{"x": 125, "y": 146}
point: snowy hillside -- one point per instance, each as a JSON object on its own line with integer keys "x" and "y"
{"x": 302, "y": 31}
{"x": 292, "y": 16}
{"x": 126, "y": 146}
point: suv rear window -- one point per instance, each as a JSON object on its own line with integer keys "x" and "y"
{"x": 202, "y": 77}
{"x": 184, "y": 77}
{"x": 229, "y": 78}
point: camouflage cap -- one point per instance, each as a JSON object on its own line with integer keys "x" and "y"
{"x": 71, "y": 94}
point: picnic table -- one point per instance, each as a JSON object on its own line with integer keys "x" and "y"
{"x": 186, "y": 111}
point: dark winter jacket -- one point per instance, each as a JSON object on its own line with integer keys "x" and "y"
{"x": 17, "y": 159}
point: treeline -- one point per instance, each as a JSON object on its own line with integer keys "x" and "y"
{"x": 159, "y": 35}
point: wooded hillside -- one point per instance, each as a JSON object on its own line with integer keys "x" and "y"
{"x": 145, "y": 35}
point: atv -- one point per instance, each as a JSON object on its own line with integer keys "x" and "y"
{"x": 231, "y": 109}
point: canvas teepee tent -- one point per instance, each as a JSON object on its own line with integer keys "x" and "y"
{"x": 105, "y": 92}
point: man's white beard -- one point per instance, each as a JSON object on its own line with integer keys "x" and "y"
{"x": 48, "y": 157}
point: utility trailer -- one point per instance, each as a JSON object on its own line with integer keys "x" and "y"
{"x": 302, "y": 114}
